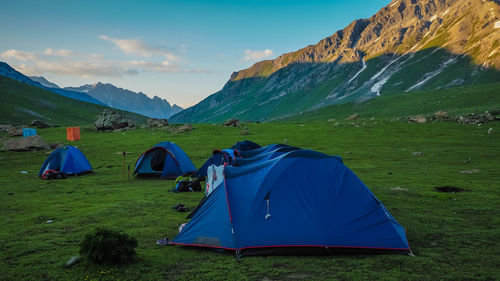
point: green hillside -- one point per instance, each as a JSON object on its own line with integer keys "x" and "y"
{"x": 462, "y": 100}
{"x": 21, "y": 103}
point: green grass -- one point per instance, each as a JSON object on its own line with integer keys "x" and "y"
{"x": 22, "y": 103}
{"x": 454, "y": 236}
{"x": 461, "y": 100}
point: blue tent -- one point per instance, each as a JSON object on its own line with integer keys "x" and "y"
{"x": 299, "y": 200}
{"x": 218, "y": 157}
{"x": 264, "y": 149}
{"x": 166, "y": 159}
{"x": 67, "y": 159}
{"x": 233, "y": 155}
{"x": 264, "y": 155}
{"x": 245, "y": 145}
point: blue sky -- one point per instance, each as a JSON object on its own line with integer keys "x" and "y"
{"x": 179, "y": 50}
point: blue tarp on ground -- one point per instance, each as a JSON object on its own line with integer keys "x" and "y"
{"x": 27, "y": 132}
{"x": 67, "y": 159}
{"x": 166, "y": 159}
{"x": 301, "y": 198}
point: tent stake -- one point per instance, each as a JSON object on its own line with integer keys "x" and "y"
{"x": 123, "y": 153}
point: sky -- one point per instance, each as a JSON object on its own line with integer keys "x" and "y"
{"x": 182, "y": 51}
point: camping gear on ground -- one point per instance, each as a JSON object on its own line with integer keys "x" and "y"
{"x": 163, "y": 242}
{"x": 180, "y": 208}
{"x": 166, "y": 159}
{"x": 73, "y": 133}
{"x": 27, "y": 132}
{"x": 301, "y": 200}
{"x": 185, "y": 185}
{"x": 66, "y": 159}
{"x": 53, "y": 175}
{"x": 245, "y": 145}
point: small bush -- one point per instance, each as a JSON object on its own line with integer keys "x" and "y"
{"x": 105, "y": 246}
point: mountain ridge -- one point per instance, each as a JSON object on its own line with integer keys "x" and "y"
{"x": 100, "y": 93}
{"x": 435, "y": 44}
{"x": 124, "y": 99}
{"x": 9, "y": 72}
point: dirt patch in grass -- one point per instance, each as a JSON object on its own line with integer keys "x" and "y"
{"x": 449, "y": 189}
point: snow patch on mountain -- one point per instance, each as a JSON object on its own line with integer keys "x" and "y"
{"x": 432, "y": 74}
{"x": 357, "y": 73}
{"x": 377, "y": 86}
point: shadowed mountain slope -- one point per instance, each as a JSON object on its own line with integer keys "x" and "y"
{"x": 407, "y": 46}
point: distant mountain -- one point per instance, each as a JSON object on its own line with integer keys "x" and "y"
{"x": 408, "y": 45}
{"x": 21, "y": 103}
{"x": 128, "y": 100}
{"x": 7, "y": 71}
{"x": 43, "y": 81}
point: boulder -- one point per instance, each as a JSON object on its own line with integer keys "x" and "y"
{"x": 25, "y": 144}
{"x": 232, "y": 123}
{"x": 111, "y": 120}
{"x": 153, "y": 122}
{"x": 39, "y": 124}
{"x": 440, "y": 115}
{"x": 5, "y": 128}
{"x": 418, "y": 119}
{"x": 353, "y": 117}
{"x": 15, "y": 131}
{"x": 478, "y": 119}
{"x": 181, "y": 129}
{"x": 55, "y": 145}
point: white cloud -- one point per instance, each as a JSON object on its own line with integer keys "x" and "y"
{"x": 257, "y": 55}
{"x": 59, "y": 53}
{"x": 68, "y": 62}
{"x": 136, "y": 46}
{"x": 18, "y": 55}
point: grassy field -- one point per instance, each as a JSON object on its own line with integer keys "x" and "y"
{"x": 458, "y": 100}
{"x": 453, "y": 235}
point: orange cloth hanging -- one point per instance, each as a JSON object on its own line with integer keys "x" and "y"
{"x": 73, "y": 133}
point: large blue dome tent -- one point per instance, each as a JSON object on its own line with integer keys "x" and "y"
{"x": 299, "y": 200}
{"x": 67, "y": 159}
{"x": 165, "y": 159}
{"x": 239, "y": 152}
{"x": 264, "y": 149}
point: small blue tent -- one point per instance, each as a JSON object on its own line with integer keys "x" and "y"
{"x": 299, "y": 200}
{"x": 67, "y": 159}
{"x": 166, "y": 159}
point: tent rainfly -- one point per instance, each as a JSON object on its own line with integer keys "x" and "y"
{"x": 300, "y": 200}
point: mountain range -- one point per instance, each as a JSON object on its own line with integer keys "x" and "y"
{"x": 101, "y": 94}
{"x": 124, "y": 99}
{"x": 9, "y": 72}
{"x": 409, "y": 45}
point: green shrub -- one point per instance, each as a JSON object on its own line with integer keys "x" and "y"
{"x": 106, "y": 246}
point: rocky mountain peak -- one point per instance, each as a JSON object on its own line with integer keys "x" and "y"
{"x": 407, "y": 45}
